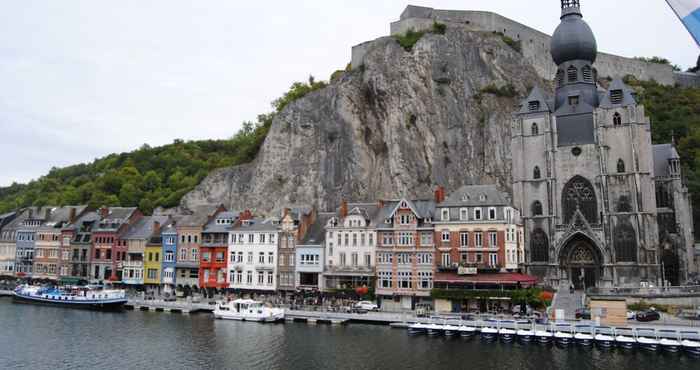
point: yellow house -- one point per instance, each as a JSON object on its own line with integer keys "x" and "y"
{"x": 152, "y": 262}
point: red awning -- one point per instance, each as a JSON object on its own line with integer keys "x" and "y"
{"x": 501, "y": 278}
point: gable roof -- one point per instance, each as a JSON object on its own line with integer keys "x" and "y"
{"x": 143, "y": 228}
{"x": 627, "y": 95}
{"x": 662, "y": 154}
{"x": 316, "y": 235}
{"x": 536, "y": 95}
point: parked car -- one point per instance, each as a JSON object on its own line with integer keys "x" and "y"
{"x": 631, "y": 315}
{"x": 583, "y": 314}
{"x": 648, "y": 315}
{"x": 366, "y": 305}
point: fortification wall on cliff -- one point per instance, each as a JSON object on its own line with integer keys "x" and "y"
{"x": 535, "y": 44}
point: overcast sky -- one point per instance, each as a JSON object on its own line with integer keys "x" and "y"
{"x": 82, "y": 79}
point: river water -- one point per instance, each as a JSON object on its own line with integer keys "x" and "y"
{"x": 37, "y": 337}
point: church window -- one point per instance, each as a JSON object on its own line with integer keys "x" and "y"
{"x": 560, "y": 78}
{"x": 617, "y": 119}
{"x": 621, "y": 166}
{"x": 534, "y": 106}
{"x": 625, "y": 243}
{"x": 573, "y": 100}
{"x": 579, "y": 194}
{"x": 536, "y": 174}
{"x": 576, "y": 151}
{"x": 539, "y": 246}
{"x": 537, "y": 208}
{"x": 572, "y": 74}
{"x": 616, "y": 96}
{"x": 587, "y": 74}
{"x": 535, "y": 129}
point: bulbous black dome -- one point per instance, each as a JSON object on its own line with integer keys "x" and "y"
{"x": 573, "y": 40}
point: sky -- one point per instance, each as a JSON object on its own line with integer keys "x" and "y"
{"x": 80, "y": 79}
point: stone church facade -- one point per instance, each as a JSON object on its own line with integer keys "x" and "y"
{"x": 601, "y": 205}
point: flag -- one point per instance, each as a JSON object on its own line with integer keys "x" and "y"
{"x": 689, "y": 13}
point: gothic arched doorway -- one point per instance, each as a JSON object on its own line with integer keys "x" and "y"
{"x": 581, "y": 261}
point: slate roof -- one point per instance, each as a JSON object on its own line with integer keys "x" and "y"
{"x": 628, "y": 95}
{"x": 316, "y": 235}
{"x": 116, "y": 217}
{"x": 214, "y": 227}
{"x": 662, "y": 154}
{"x": 199, "y": 217}
{"x": 423, "y": 208}
{"x": 143, "y": 228}
{"x": 257, "y": 224}
{"x": 472, "y": 195}
{"x": 536, "y": 95}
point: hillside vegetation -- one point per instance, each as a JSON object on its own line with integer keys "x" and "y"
{"x": 148, "y": 177}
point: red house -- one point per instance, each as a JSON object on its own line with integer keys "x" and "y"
{"x": 213, "y": 250}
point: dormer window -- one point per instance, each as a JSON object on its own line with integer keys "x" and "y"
{"x": 616, "y": 96}
{"x": 572, "y": 74}
{"x": 573, "y": 100}
{"x": 533, "y": 106}
{"x": 617, "y": 119}
{"x": 445, "y": 214}
{"x": 463, "y": 214}
{"x": 404, "y": 204}
{"x": 482, "y": 197}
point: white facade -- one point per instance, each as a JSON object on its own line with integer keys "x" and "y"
{"x": 252, "y": 254}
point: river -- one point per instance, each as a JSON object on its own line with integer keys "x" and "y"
{"x": 37, "y": 337}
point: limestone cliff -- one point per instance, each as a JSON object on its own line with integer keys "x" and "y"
{"x": 401, "y": 124}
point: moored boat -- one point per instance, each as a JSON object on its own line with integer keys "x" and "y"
{"x": 450, "y": 329}
{"x": 506, "y": 331}
{"x": 669, "y": 340}
{"x": 624, "y": 338}
{"x": 489, "y": 331}
{"x": 690, "y": 340}
{"x": 604, "y": 336}
{"x": 248, "y": 310}
{"x": 583, "y": 335}
{"x": 524, "y": 333}
{"x": 647, "y": 339}
{"x": 84, "y": 297}
{"x": 563, "y": 334}
{"x": 544, "y": 336}
{"x": 466, "y": 331}
{"x": 434, "y": 329}
{"x": 417, "y": 328}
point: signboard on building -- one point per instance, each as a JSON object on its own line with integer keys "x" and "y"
{"x": 466, "y": 270}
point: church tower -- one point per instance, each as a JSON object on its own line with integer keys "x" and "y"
{"x": 583, "y": 172}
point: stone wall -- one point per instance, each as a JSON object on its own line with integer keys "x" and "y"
{"x": 535, "y": 44}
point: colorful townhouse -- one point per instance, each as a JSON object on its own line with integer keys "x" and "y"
{"x": 169, "y": 253}
{"x": 293, "y": 227}
{"x": 310, "y": 254}
{"x": 405, "y": 251}
{"x": 47, "y": 254}
{"x": 26, "y": 240}
{"x": 8, "y": 242}
{"x": 79, "y": 248}
{"x": 253, "y": 252}
{"x": 136, "y": 237}
{"x": 351, "y": 247}
{"x": 213, "y": 267}
{"x": 153, "y": 256}
{"x": 189, "y": 233}
{"x": 108, "y": 249}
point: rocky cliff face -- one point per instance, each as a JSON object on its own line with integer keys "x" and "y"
{"x": 400, "y": 125}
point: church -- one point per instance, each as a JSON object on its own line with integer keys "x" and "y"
{"x": 601, "y": 205}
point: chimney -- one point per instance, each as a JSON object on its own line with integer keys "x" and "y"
{"x": 104, "y": 212}
{"x": 245, "y": 215}
{"x": 71, "y": 215}
{"x": 343, "y": 209}
{"x": 439, "y": 194}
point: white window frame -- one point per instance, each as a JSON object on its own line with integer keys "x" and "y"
{"x": 478, "y": 214}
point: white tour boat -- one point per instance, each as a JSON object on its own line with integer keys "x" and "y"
{"x": 434, "y": 329}
{"x": 690, "y": 340}
{"x": 604, "y": 336}
{"x": 584, "y": 335}
{"x": 624, "y": 337}
{"x": 417, "y": 328}
{"x": 506, "y": 331}
{"x": 466, "y": 331}
{"x": 647, "y": 339}
{"x": 450, "y": 329}
{"x": 490, "y": 330}
{"x": 248, "y": 310}
{"x": 563, "y": 334}
{"x": 669, "y": 340}
{"x": 86, "y": 297}
{"x": 525, "y": 332}
{"x": 544, "y": 336}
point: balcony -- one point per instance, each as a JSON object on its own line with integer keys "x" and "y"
{"x": 264, "y": 267}
{"x": 350, "y": 270}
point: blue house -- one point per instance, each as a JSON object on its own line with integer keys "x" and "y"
{"x": 169, "y": 234}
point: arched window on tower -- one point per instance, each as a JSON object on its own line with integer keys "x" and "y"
{"x": 572, "y": 74}
{"x": 535, "y": 129}
{"x": 620, "y": 166}
{"x": 623, "y": 204}
{"x": 625, "y": 243}
{"x": 560, "y": 78}
{"x": 579, "y": 194}
{"x": 537, "y": 208}
{"x": 539, "y": 246}
{"x": 536, "y": 174}
{"x": 617, "y": 119}
{"x": 587, "y": 73}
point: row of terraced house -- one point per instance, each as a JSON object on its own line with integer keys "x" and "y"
{"x": 400, "y": 249}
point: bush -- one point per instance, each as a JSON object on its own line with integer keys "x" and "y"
{"x": 505, "y": 91}
{"x": 515, "y": 45}
{"x": 643, "y": 306}
{"x": 409, "y": 39}
{"x": 439, "y": 28}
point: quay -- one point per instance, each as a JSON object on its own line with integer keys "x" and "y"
{"x": 6, "y": 293}
{"x": 172, "y": 307}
